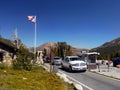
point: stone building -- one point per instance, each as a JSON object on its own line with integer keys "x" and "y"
{"x": 7, "y": 52}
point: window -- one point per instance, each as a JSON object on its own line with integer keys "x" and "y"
{"x": 74, "y": 58}
{"x": 56, "y": 58}
{"x": 66, "y": 60}
{"x": 92, "y": 58}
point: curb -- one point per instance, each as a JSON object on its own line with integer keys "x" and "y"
{"x": 78, "y": 87}
{"x": 65, "y": 78}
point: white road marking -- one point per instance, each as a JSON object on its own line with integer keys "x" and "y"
{"x": 78, "y": 82}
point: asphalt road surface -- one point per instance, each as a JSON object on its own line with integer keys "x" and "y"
{"x": 93, "y": 81}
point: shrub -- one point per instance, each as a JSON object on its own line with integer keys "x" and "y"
{"x": 23, "y": 60}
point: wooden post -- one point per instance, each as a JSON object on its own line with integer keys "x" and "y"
{"x": 51, "y": 56}
{"x": 98, "y": 65}
{"x": 108, "y": 62}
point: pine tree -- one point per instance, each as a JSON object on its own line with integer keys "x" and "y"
{"x": 23, "y": 60}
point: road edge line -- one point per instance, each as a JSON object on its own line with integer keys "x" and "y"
{"x": 77, "y": 82}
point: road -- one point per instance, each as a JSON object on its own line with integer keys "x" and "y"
{"x": 93, "y": 81}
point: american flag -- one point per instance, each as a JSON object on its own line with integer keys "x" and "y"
{"x": 32, "y": 18}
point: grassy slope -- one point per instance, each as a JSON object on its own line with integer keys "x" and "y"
{"x": 38, "y": 79}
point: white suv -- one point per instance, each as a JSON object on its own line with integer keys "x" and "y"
{"x": 73, "y": 63}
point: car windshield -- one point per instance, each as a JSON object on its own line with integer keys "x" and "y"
{"x": 74, "y": 58}
{"x": 56, "y": 58}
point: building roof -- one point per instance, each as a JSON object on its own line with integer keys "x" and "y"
{"x": 7, "y": 47}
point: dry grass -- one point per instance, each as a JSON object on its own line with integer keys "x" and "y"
{"x": 37, "y": 79}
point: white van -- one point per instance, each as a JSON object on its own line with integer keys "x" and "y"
{"x": 73, "y": 63}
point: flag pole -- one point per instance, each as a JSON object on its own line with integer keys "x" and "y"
{"x": 33, "y": 19}
{"x": 35, "y": 37}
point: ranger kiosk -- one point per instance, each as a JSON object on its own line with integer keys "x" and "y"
{"x": 90, "y": 58}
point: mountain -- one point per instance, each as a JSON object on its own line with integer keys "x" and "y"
{"x": 109, "y": 47}
{"x": 77, "y": 50}
{"x": 47, "y": 46}
{"x": 113, "y": 43}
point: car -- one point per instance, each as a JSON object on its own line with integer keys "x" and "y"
{"x": 73, "y": 63}
{"x": 116, "y": 61}
{"x": 56, "y": 60}
{"x": 47, "y": 59}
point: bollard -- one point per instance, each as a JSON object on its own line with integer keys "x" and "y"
{"x": 55, "y": 69}
{"x": 98, "y": 65}
{"x": 108, "y": 65}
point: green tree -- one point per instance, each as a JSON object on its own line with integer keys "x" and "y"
{"x": 62, "y": 49}
{"x": 23, "y": 60}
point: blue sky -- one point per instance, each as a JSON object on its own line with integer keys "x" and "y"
{"x": 81, "y": 23}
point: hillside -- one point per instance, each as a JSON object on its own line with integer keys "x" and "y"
{"x": 115, "y": 42}
{"x": 47, "y": 46}
{"x": 109, "y": 48}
